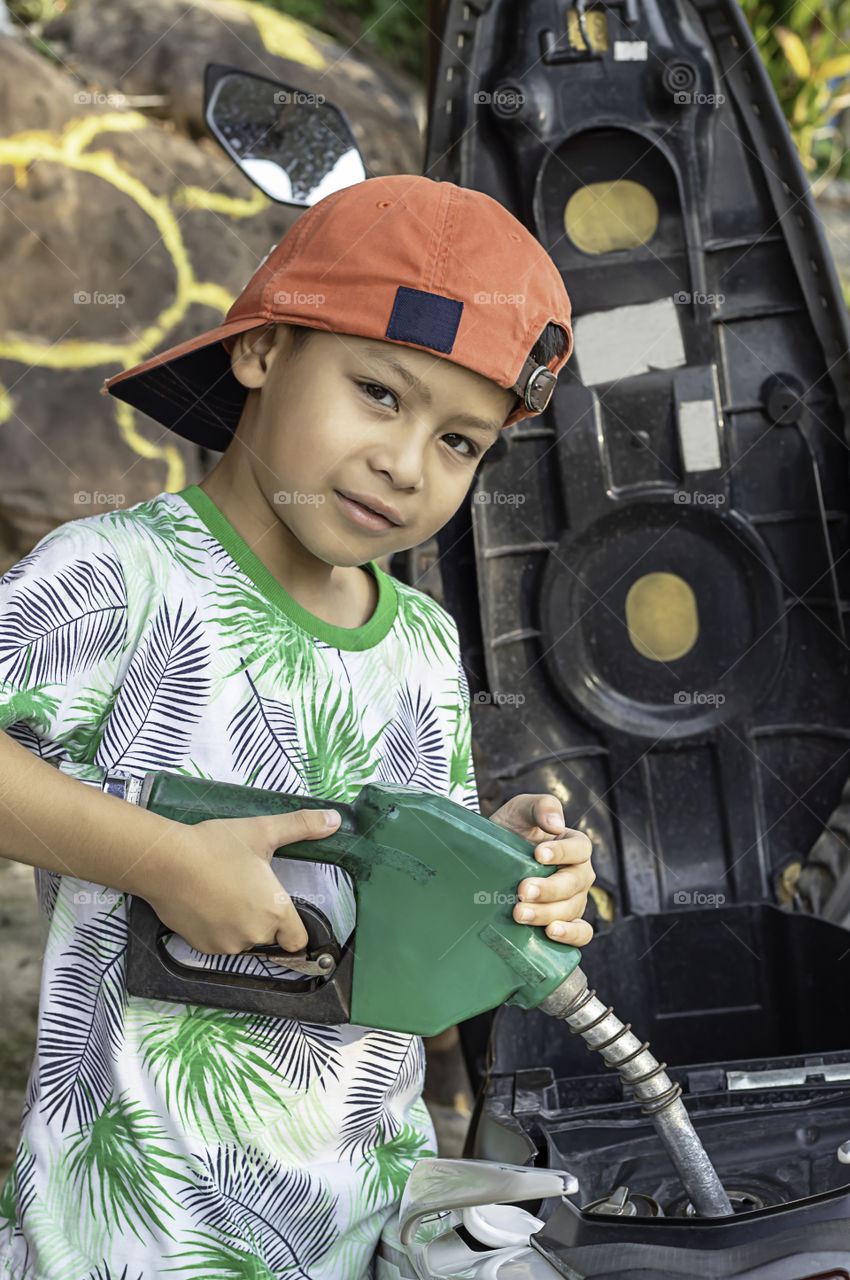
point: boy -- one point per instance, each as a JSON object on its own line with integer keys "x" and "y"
{"x": 242, "y": 631}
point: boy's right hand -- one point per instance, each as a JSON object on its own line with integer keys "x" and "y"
{"x": 220, "y": 894}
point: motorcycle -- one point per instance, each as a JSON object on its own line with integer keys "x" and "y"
{"x": 667, "y": 589}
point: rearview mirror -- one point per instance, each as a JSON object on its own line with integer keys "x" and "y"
{"x": 295, "y": 146}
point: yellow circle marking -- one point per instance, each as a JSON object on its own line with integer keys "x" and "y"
{"x": 662, "y": 616}
{"x": 606, "y": 216}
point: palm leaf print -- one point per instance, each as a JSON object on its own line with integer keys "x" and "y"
{"x": 389, "y": 1065}
{"x": 337, "y": 758}
{"x": 56, "y": 626}
{"x": 425, "y": 625}
{"x": 19, "y": 1190}
{"x": 103, "y": 1272}
{"x": 207, "y": 1064}
{"x": 82, "y": 1030}
{"x": 249, "y": 1199}
{"x": 163, "y": 695}
{"x": 105, "y": 1159}
{"x": 89, "y": 715}
{"x": 300, "y": 1052}
{"x": 414, "y": 752}
{"x": 270, "y": 640}
{"x": 31, "y": 709}
{"x": 388, "y": 1166}
{"x": 155, "y": 521}
{"x": 265, "y": 742}
{"x": 212, "y": 1257}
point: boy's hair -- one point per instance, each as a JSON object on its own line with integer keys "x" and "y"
{"x": 551, "y": 344}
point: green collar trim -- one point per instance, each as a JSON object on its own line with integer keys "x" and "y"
{"x": 365, "y": 637}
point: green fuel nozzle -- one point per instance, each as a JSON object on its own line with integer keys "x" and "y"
{"x": 435, "y": 940}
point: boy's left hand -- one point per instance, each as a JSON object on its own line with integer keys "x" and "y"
{"x": 562, "y": 896}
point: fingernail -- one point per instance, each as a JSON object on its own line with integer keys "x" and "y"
{"x": 331, "y": 817}
{"x": 532, "y": 892}
{"x": 526, "y": 914}
{"x": 559, "y": 929}
{"x": 545, "y": 854}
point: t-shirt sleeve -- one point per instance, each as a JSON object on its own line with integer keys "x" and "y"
{"x": 63, "y": 626}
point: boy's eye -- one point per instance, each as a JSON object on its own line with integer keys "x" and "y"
{"x": 370, "y": 387}
{"x": 471, "y": 449}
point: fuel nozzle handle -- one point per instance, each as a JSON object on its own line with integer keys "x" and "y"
{"x": 602, "y": 1031}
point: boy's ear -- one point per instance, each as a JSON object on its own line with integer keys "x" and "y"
{"x": 249, "y": 360}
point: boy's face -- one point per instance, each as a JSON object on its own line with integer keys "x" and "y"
{"x": 343, "y": 418}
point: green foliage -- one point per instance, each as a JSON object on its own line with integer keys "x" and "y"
{"x": 804, "y": 46}
{"x": 398, "y": 32}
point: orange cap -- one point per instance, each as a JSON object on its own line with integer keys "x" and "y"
{"x": 401, "y": 258}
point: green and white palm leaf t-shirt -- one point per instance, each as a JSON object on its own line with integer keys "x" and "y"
{"x": 162, "y": 1139}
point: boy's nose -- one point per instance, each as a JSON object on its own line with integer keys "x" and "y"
{"x": 402, "y": 459}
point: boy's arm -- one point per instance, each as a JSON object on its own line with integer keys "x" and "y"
{"x": 51, "y": 820}
{"x": 211, "y": 882}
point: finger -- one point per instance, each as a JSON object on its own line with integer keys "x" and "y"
{"x": 302, "y": 824}
{"x": 576, "y": 933}
{"x": 547, "y": 814}
{"x": 561, "y": 885}
{"x": 572, "y": 848}
{"x": 546, "y": 912}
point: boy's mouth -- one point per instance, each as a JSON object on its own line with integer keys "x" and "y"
{"x": 359, "y": 508}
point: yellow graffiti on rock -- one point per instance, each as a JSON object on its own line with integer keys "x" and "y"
{"x": 70, "y": 147}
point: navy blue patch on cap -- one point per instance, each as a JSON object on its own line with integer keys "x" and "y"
{"x": 424, "y": 318}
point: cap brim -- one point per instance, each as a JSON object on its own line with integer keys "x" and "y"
{"x": 190, "y": 388}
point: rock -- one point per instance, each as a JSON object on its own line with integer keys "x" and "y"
{"x": 121, "y": 235}
{"x": 162, "y": 46}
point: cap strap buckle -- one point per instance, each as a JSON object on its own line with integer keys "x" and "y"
{"x": 535, "y": 385}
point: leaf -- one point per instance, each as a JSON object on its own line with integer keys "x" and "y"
{"x": 270, "y": 639}
{"x": 337, "y": 759}
{"x": 207, "y": 1064}
{"x": 412, "y": 745}
{"x": 264, "y": 736}
{"x": 389, "y": 1166}
{"x": 56, "y": 626}
{"x": 795, "y": 51}
{"x": 425, "y": 626}
{"x": 302, "y": 1053}
{"x": 833, "y": 69}
{"x": 163, "y": 696}
{"x": 82, "y": 1029}
{"x": 105, "y": 1159}
{"x": 286, "y": 1216}
{"x": 390, "y": 1064}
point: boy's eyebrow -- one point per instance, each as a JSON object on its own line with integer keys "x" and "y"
{"x": 467, "y": 419}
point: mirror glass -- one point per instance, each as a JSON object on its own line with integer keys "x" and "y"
{"x": 293, "y": 145}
